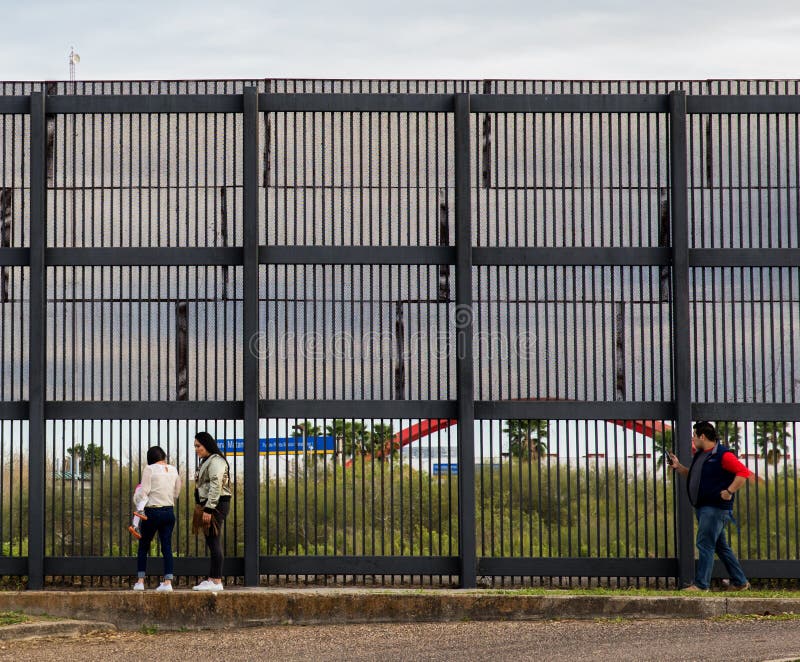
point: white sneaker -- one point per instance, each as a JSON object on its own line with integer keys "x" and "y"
{"x": 208, "y": 586}
{"x": 138, "y": 586}
{"x": 164, "y": 587}
{"x": 201, "y": 586}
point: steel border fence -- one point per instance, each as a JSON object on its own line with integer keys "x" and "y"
{"x": 463, "y": 256}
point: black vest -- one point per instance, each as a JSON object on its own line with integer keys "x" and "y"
{"x": 713, "y": 479}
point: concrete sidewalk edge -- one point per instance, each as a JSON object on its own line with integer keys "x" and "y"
{"x": 248, "y": 607}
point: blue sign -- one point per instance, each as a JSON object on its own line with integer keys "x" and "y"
{"x": 445, "y": 468}
{"x": 281, "y": 445}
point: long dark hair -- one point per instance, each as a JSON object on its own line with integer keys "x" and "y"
{"x": 155, "y": 454}
{"x": 210, "y": 444}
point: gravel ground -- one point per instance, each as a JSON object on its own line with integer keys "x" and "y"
{"x": 745, "y": 639}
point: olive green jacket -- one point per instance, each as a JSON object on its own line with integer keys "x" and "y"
{"x": 212, "y": 482}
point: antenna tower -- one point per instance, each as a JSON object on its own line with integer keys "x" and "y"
{"x": 74, "y": 59}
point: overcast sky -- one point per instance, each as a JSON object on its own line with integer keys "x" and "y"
{"x": 413, "y": 39}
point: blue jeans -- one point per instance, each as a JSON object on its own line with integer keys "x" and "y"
{"x": 711, "y": 538}
{"x": 161, "y": 521}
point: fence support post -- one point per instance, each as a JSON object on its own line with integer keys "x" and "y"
{"x": 464, "y": 367}
{"x": 681, "y": 337}
{"x": 37, "y": 355}
{"x": 252, "y": 533}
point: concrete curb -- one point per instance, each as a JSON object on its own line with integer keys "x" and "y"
{"x": 243, "y": 607}
{"x": 40, "y": 629}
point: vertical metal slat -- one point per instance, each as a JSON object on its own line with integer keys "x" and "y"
{"x": 37, "y": 343}
{"x": 250, "y": 329}
{"x": 464, "y": 366}
{"x": 680, "y": 324}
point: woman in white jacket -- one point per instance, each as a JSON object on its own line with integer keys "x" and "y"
{"x": 160, "y": 486}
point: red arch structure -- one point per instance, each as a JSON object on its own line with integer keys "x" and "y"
{"x": 428, "y": 426}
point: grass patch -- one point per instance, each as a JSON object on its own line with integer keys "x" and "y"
{"x": 12, "y": 617}
{"x": 149, "y": 629}
{"x": 729, "y": 618}
{"x": 646, "y": 592}
{"x": 610, "y": 619}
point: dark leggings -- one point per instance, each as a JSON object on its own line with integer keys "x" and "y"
{"x": 214, "y": 543}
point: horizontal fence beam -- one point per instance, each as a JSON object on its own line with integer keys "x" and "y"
{"x": 578, "y": 567}
{"x": 13, "y": 565}
{"x": 423, "y": 255}
{"x": 405, "y": 103}
{"x": 407, "y": 409}
{"x": 145, "y": 103}
{"x": 14, "y": 410}
{"x": 156, "y": 410}
{"x": 573, "y": 410}
{"x": 395, "y": 565}
{"x": 721, "y": 104}
{"x": 121, "y": 566}
{"x": 745, "y": 411}
{"x": 368, "y": 409}
{"x": 15, "y": 257}
{"x": 763, "y": 569}
{"x": 624, "y": 567}
{"x": 359, "y": 565}
{"x": 744, "y": 257}
{"x": 144, "y": 256}
{"x": 363, "y": 103}
{"x": 18, "y": 105}
{"x": 356, "y": 255}
{"x": 569, "y": 103}
{"x": 576, "y": 256}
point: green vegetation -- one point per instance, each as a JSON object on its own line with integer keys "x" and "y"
{"x": 351, "y": 436}
{"x": 771, "y": 439}
{"x": 370, "y": 507}
{"x": 730, "y": 434}
{"x": 644, "y": 592}
{"x": 786, "y": 616}
{"x": 527, "y": 438}
{"x": 662, "y": 444}
{"x": 524, "y": 507}
{"x": 12, "y": 617}
{"x": 618, "y": 620}
{"x": 527, "y": 504}
{"x": 91, "y": 456}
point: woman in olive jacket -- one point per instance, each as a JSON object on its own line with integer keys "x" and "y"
{"x": 213, "y": 498}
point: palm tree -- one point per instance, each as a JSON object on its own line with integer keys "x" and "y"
{"x": 337, "y": 430}
{"x": 771, "y": 438}
{"x": 527, "y": 438}
{"x": 351, "y": 436}
{"x": 662, "y": 443}
{"x": 729, "y": 434}
{"x": 92, "y": 457}
{"x": 381, "y": 438}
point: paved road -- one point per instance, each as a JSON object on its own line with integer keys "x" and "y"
{"x": 616, "y": 640}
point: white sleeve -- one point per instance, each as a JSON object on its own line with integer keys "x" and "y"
{"x": 176, "y": 490}
{"x": 143, "y": 493}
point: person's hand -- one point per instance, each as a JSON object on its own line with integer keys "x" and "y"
{"x": 672, "y": 460}
{"x": 725, "y": 495}
{"x": 206, "y": 519}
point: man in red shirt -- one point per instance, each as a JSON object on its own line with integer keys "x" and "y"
{"x": 712, "y": 479}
